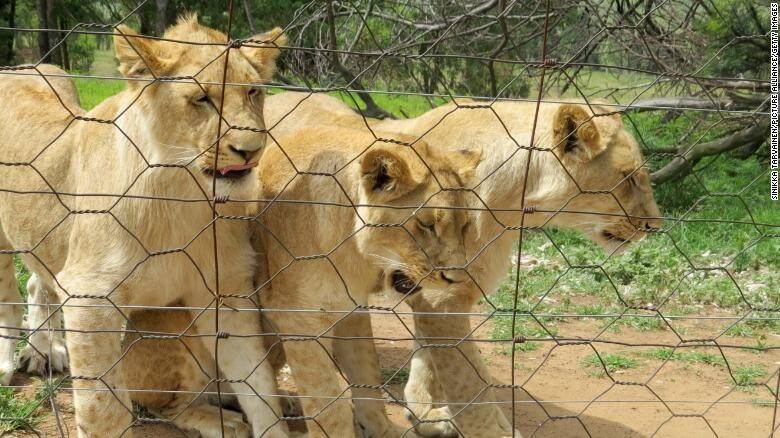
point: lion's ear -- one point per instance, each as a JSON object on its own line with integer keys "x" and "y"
{"x": 137, "y": 55}
{"x": 465, "y": 162}
{"x": 575, "y": 135}
{"x": 389, "y": 173}
{"x": 263, "y": 55}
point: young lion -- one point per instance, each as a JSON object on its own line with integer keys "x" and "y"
{"x": 111, "y": 210}
{"x": 588, "y": 177}
{"x": 351, "y": 214}
{"x": 326, "y": 241}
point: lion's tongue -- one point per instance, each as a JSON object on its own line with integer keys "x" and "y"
{"x": 234, "y": 167}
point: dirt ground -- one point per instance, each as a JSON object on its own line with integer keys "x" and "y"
{"x": 565, "y": 398}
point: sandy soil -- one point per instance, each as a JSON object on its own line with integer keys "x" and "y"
{"x": 564, "y": 398}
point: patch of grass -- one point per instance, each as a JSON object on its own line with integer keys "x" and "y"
{"x": 747, "y": 375}
{"x": 401, "y": 106}
{"x": 22, "y": 275}
{"x": 641, "y": 323}
{"x": 762, "y": 403}
{"x": 94, "y": 91}
{"x": 612, "y": 363}
{"x": 19, "y": 412}
{"x": 684, "y": 356}
{"x": 394, "y": 376}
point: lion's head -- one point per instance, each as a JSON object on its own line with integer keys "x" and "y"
{"x": 417, "y": 210}
{"x": 607, "y": 193}
{"x": 182, "y": 106}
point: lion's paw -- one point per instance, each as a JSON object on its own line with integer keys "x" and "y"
{"x": 234, "y": 426}
{"x": 6, "y": 372}
{"x": 34, "y": 361}
{"x": 436, "y": 423}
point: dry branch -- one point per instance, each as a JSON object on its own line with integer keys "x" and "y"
{"x": 372, "y": 109}
{"x": 681, "y": 103}
{"x": 683, "y": 163}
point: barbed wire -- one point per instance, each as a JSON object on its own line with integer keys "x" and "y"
{"x": 328, "y": 231}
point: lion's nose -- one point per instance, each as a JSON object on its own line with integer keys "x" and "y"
{"x": 244, "y": 151}
{"x": 651, "y": 225}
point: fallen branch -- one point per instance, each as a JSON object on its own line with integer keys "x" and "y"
{"x": 683, "y": 163}
{"x": 680, "y": 103}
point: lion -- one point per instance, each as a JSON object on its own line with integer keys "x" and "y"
{"x": 60, "y": 95}
{"x": 348, "y": 213}
{"x": 117, "y": 208}
{"x": 586, "y": 173}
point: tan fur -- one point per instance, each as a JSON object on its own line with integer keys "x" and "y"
{"x": 29, "y": 92}
{"x": 601, "y": 155}
{"x": 325, "y": 255}
{"x": 100, "y": 253}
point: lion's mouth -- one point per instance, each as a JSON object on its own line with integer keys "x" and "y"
{"x": 612, "y": 237}
{"x": 403, "y": 284}
{"x": 231, "y": 172}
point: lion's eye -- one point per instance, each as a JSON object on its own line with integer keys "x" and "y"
{"x": 202, "y": 99}
{"x": 428, "y": 226}
{"x": 252, "y": 92}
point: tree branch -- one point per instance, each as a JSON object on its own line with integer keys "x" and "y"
{"x": 683, "y": 163}
{"x": 372, "y": 109}
{"x": 680, "y": 103}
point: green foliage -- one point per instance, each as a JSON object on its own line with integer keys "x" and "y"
{"x": 719, "y": 32}
{"x": 82, "y": 50}
{"x": 19, "y": 412}
{"x": 608, "y": 361}
{"x": 748, "y": 375}
{"x": 394, "y": 376}
{"x": 684, "y": 355}
{"x": 94, "y": 91}
{"x": 22, "y": 275}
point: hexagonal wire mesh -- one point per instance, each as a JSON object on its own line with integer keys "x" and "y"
{"x": 512, "y": 122}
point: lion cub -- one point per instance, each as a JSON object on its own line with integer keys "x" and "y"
{"x": 135, "y": 242}
{"x": 348, "y": 213}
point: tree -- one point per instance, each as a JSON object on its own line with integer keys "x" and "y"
{"x": 7, "y": 18}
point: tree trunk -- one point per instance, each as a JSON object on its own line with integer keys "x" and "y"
{"x": 44, "y": 45}
{"x": 64, "y": 55}
{"x": 161, "y": 17}
{"x": 7, "y": 36}
{"x": 146, "y": 18}
{"x": 54, "y": 37}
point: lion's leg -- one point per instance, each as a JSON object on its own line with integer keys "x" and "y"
{"x": 462, "y": 375}
{"x": 103, "y": 407}
{"x": 421, "y": 391}
{"x": 358, "y": 359}
{"x": 10, "y": 314}
{"x": 166, "y": 375}
{"x": 45, "y": 343}
{"x": 323, "y": 396}
{"x": 243, "y": 359}
{"x": 204, "y": 419}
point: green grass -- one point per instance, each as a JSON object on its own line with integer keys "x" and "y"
{"x": 608, "y": 361}
{"x": 640, "y": 323}
{"x": 400, "y": 106}
{"x": 17, "y": 412}
{"x": 394, "y": 376}
{"x": 681, "y": 355}
{"x": 22, "y": 275}
{"x": 748, "y": 375}
{"x": 94, "y": 91}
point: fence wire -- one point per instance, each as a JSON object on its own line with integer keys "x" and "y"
{"x": 401, "y": 268}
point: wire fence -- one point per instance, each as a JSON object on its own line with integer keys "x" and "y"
{"x": 384, "y": 219}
